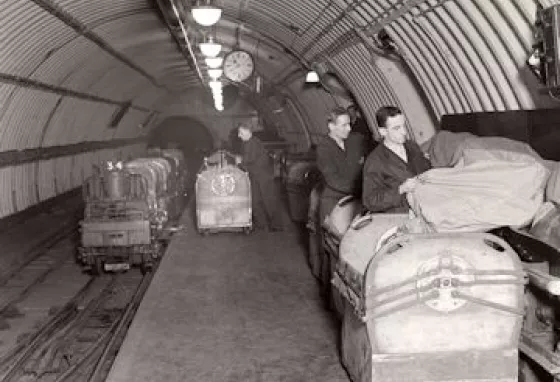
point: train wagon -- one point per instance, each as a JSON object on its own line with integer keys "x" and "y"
{"x": 119, "y": 217}
{"x": 127, "y": 206}
{"x": 428, "y": 307}
{"x": 421, "y": 305}
{"x": 223, "y": 195}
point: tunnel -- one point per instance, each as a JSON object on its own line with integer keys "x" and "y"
{"x": 83, "y": 82}
{"x": 188, "y": 135}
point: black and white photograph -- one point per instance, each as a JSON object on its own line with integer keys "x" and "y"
{"x": 279, "y": 190}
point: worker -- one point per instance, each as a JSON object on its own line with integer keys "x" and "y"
{"x": 265, "y": 199}
{"x": 391, "y": 168}
{"x": 340, "y": 157}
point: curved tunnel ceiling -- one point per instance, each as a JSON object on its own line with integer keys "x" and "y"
{"x": 467, "y": 55}
{"x": 77, "y": 73}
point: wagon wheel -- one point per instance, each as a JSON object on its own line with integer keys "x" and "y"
{"x": 247, "y": 230}
{"x": 97, "y": 266}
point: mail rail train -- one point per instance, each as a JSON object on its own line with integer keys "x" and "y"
{"x": 223, "y": 195}
{"x": 417, "y": 306}
{"x": 411, "y": 306}
{"x": 127, "y": 206}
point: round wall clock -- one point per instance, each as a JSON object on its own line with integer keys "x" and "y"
{"x": 238, "y": 65}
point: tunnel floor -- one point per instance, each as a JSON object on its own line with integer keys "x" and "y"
{"x": 232, "y": 307}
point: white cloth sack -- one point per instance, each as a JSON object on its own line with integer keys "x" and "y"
{"x": 480, "y": 195}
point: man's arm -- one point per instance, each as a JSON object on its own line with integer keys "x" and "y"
{"x": 376, "y": 195}
{"x": 420, "y": 162}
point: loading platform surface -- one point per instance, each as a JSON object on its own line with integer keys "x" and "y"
{"x": 231, "y": 307}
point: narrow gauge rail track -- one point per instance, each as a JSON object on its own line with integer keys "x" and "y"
{"x": 37, "y": 235}
{"x": 46, "y": 259}
{"x": 80, "y": 341}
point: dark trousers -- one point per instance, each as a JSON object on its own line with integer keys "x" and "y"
{"x": 265, "y": 201}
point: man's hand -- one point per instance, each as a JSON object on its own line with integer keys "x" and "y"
{"x": 408, "y": 185}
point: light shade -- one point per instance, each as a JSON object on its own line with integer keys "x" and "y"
{"x": 210, "y": 48}
{"x": 258, "y": 85}
{"x": 215, "y": 85}
{"x": 214, "y": 73}
{"x": 206, "y": 15}
{"x": 312, "y": 77}
{"x": 214, "y": 62}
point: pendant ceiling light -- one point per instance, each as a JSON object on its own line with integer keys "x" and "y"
{"x": 206, "y": 13}
{"x": 210, "y": 48}
{"x": 215, "y": 85}
{"x": 214, "y": 73}
{"x": 214, "y": 62}
{"x": 312, "y": 77}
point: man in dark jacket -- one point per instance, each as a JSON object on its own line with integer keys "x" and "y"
{"x": 265, "y": 200}
{"x": 340, "y": 157}
{"x": 390, "y": 170}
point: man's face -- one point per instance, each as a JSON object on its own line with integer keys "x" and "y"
{"x": 244, "y": 134}
{"x": 340, "y": 127}
{"x": 394, "y": 131}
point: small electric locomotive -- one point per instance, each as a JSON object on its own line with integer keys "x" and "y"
{"x": 127, "y": 206}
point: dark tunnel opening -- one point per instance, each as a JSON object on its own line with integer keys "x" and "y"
{"x": 188, "y": 135}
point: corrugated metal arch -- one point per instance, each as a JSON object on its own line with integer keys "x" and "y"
{"x": 467, "y": 55}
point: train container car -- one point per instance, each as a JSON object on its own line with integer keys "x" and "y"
{"x": 127, "y": 206}
{"x": 119, "y": 221}
{"x": 299, "y": 174}
{"x": 324, "y": 241}
{"x": 157, "y": 172}
{"x": 223, "y": 195}
{"x": 335, "y": 226}
{"x": 539, "y": 343}
{"x": 300, "y": 178}
{"x": 429, "y": 307}
{"x": 314, "y": 244}
{"x": 538, "y": 245}
{"x": 539, "y": 248}
{"x": 440, "y": 306}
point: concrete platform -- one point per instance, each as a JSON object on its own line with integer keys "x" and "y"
{"x": 231, "y": 307}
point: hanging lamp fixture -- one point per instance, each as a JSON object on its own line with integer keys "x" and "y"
{"x": 206, "y": 12}
{"x": 214, "y": 62}
{"x": 214, "y": 73}
{"x": 312, "y": 77}
{"x": 210, "y": 48}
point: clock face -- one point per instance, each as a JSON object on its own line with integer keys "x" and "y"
{"x": 238, "y": 65}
